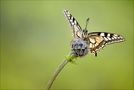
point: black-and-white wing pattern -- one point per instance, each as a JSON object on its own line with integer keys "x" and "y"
{"x": 77, "y": 30}
{"x": 96, "y": 40}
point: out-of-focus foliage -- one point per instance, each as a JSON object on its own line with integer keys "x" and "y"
{"x": 35, "y": 37}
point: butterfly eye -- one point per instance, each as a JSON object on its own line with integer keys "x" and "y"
{"x": 85, "y": 31}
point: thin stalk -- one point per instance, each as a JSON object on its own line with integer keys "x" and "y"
{"x": 57, "y": 71}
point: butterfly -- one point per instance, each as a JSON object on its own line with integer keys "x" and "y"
{"x": 97, "y": 40}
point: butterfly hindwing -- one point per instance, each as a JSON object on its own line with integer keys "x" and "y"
{"x": 99, "y": 39}
{"x": 77, "y": 30}
{"x": 111, "y": 38}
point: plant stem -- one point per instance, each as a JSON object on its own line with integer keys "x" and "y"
{"x": 58, "y": 70}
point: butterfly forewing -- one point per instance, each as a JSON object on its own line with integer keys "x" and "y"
{"x": 77, "y": 30}
{"x": 100, "y": 39}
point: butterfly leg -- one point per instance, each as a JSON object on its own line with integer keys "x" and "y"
{"x": 95, "y": 54}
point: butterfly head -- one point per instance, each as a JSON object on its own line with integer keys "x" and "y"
{"x": 79, "y": 47}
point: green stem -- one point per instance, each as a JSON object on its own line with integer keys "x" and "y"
{"x": 58, "y": 70}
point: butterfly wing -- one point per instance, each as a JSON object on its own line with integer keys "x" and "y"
{"x": 98, "y": 40}
{"x": 77, "y": 30}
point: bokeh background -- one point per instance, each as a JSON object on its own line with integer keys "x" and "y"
{"x": 35, "y": 37}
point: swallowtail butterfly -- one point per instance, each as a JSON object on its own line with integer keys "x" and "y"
{"x": 96, "y": 40}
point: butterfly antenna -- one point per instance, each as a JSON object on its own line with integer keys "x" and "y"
{"x": 87, "y": 21}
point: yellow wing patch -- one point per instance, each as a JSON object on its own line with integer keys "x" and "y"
{"x": 96, "y": 42}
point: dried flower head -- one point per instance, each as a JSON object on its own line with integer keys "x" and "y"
{"x": 79, "y": 47}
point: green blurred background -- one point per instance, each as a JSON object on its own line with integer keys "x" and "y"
{"x": 35, "y": 37}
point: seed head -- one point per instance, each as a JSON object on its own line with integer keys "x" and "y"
{"x": 79, "y": 47}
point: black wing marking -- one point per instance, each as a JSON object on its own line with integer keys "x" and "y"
{"x": 77, "y": 30}
{"x": 109, "y": 38}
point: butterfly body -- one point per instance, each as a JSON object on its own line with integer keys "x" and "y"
{"x": 95, "y": 40}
